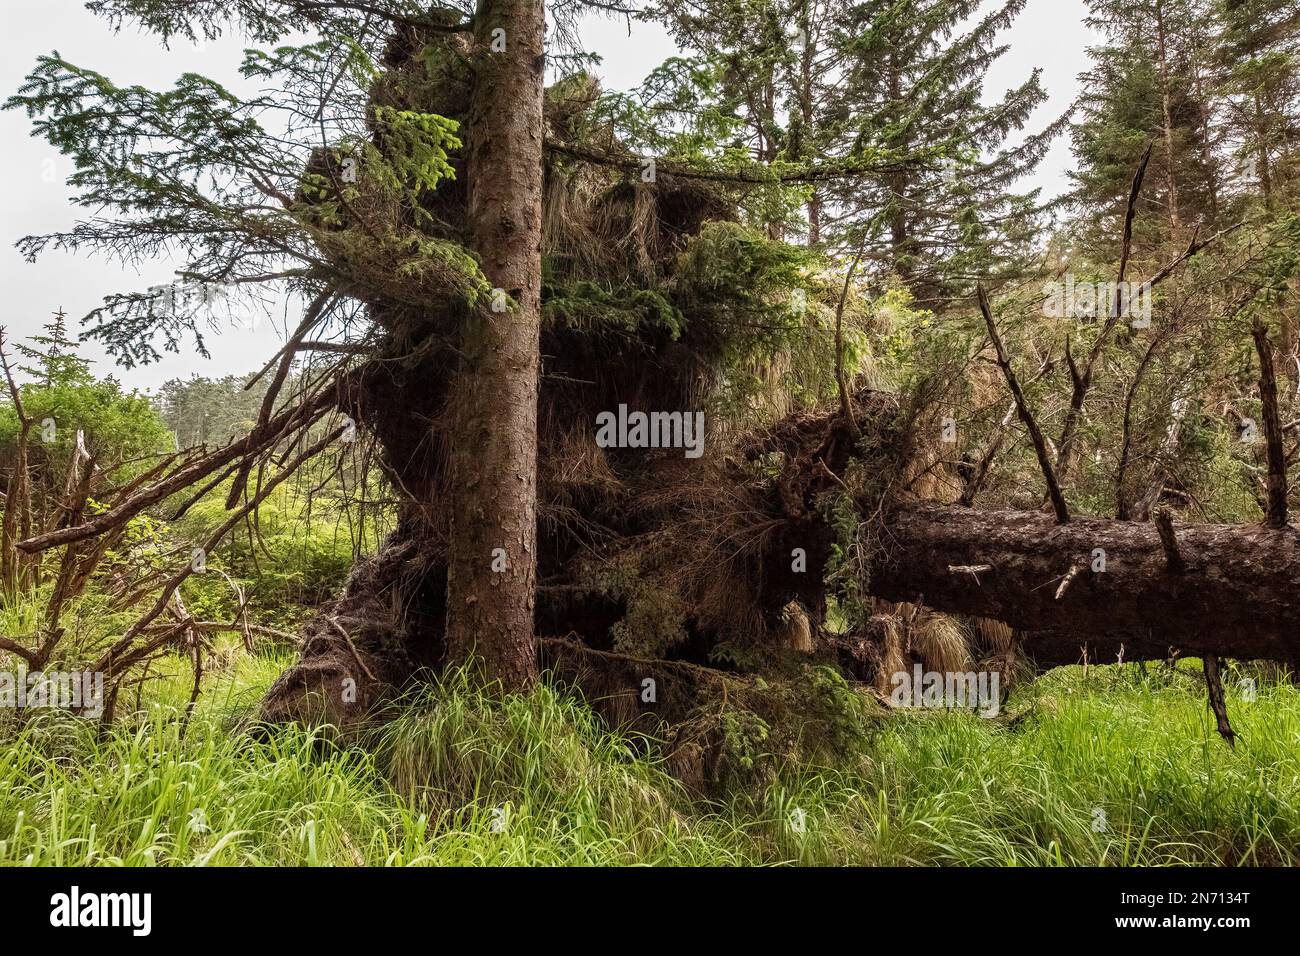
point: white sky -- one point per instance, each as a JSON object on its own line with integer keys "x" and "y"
{"x": 34, "y": 199}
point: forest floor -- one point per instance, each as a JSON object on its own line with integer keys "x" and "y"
{"x": 1115, "y": 766}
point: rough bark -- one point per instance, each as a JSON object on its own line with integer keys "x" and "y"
{"x": 1238, "y": 594}
{"x": 1277, "y": 505}
{"x": 493, "y": 447}
{"x": 1214, "y": 685}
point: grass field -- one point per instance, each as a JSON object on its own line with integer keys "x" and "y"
{"x": 1114, "y": 768}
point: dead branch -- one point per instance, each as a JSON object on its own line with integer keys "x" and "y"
{"x": 1035, "y": 434}
{"x": 1130, "y": 212}
{"x": 78, "y": 484}
{"x": 845, "y": 407}
{"x": 973, "y": 481}
{"x": 309, "y": 320}
{"x": 199, "y": 495}
{"x": 1066, "y": 581}
{"x": 1214, "y": 688}
{"x": 108, "y": 659}
{"x": 1082, "y": 379}
{"x": 356, "y": 654}
{"x": 1126, "y": 443}
{"x": 249, "y": 626}
{"x": 18, "y": 650}
{"x": 14, "y": 566}
{"x": 1193, "y": 248}
{"x": 1165, "y": 525}
{"x": 1277, "y": 511}
{"x": 296, "y": 418}
{"x": 338, "y": 348}
{"x": 761, "y": 176}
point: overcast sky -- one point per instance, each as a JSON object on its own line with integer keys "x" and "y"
{"x": 34, "y": 199}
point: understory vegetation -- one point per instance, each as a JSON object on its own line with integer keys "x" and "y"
{"x": 1118, "y": 764}
{"x": 1110, "y": 766}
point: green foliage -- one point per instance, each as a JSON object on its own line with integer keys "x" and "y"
{"x": 54, "y": 356}
{"x": 843, "y": 567}
{"x": 735, "y": 273}
{"x": 761, "y": 299}
{"x": 292, "y": 560}
{"x": 593, "y": 309}
{"x": 119, "y": 428}
{"x": 305, "y": 62}
{"x": 653, "y": 624}
{"x": 443, "y": 263}
{"x": 91, "y": 622}
{"x": 679, "y": 112}
{"x": 202, "y": 410}
{"x": 191, "y": 173}
{"x": 1277, "y": 272}
{"x": 805, "y": 715}
{"x": 416, "y": 146}
{"x": 467, "y": 778}
{"x": 166, "y": 172}
{"x": 655, "y": 618}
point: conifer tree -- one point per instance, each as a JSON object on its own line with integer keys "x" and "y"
{"x": 902, "y": 84}
{"x": 54, "y": 356}
{"x": 1153, "y": 82}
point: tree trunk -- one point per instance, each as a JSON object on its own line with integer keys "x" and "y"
{"x": 1265, "y": 172}
{"x": 1170, "y": 173}
{"x": 1237, "y": 596}
{"x": 900, "y": 242}
{"x": 802, "y": 131}
{"x": 1230, "y": 590}
{"x": 493, "y": 438}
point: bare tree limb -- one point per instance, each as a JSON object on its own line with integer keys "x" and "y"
{"x": 845, "y": 408}
{"x": 1169, "y": 541}
{"x": 13, "y": 647}
{"x": 1126, "y": 443}
{"x": 1214, "y": 687}
{"x": 1277, "y": 510}
{"x": 299, "y": 416}
{"x": 1082, "y": 379}
{"x": 108, "y": 660}
{"x": 309, "y": 320}
{"x": 1026, "y": 416}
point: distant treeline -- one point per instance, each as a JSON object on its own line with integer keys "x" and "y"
{"x": 209, "y": 410}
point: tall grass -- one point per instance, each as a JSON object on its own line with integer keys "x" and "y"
{"x": 1109, "y": 769}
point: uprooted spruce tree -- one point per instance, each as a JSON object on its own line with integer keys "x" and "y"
{"x": 619, "y": 411}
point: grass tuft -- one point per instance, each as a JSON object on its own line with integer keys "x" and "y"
{"x": 1108, "y": 768}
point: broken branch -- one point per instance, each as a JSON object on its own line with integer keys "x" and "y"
{"x": 1035, "y": 434}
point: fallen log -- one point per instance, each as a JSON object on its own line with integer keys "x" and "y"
{"x": 1236, "y": 595}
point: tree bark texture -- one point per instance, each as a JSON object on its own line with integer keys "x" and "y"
{"x": 493, "y": 442}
